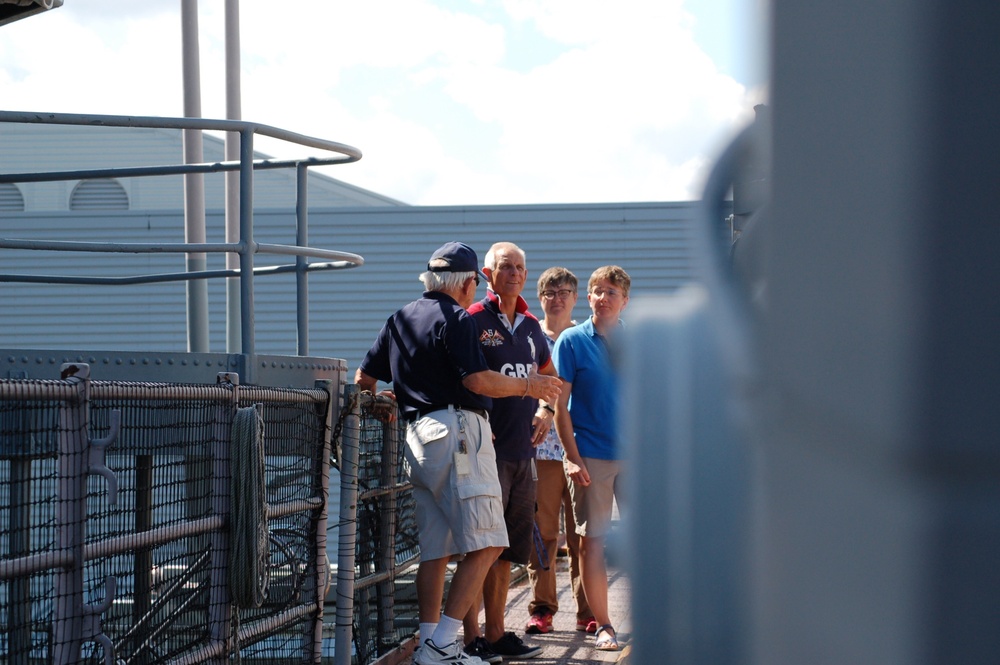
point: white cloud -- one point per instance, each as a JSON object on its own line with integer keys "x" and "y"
{"x": 529, "y": 101}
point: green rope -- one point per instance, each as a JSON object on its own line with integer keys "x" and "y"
{"x": 249, "y": 556}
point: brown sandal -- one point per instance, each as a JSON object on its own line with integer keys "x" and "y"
{"x": 609, "y": 640}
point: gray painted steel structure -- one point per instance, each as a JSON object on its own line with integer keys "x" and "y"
{"x": 244, "y": 246}
{"x": 339, "y": 314}
{"x": 862, "y": 452}
{"x": 120, "y": 312}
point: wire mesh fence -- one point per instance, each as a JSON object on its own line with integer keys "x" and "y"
{"x": 115, "y": 500}
{"x": 118, "y": 502}
{"x": 385, "y": 610}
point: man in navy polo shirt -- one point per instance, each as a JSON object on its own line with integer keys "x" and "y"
{"x": 430, "y": 351}
{"x": 514, "y": 344}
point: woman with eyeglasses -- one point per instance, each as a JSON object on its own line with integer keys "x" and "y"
{"x": 557, "y": 294}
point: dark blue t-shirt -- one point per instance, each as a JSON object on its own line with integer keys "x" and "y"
{"x": 425, "y": 350}
{"x": 512, "y": 354}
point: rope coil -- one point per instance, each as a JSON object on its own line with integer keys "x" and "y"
{"x": 249, "y": 554}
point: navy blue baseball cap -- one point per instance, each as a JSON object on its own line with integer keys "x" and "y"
{"x": 455, "y": 257}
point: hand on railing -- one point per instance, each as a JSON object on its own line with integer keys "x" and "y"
{"x": 383, "y": 406}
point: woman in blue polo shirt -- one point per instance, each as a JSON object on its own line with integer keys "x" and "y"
{"x": 586, "y": 420}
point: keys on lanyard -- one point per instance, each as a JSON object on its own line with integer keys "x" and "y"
{"x": 462, "y": 464}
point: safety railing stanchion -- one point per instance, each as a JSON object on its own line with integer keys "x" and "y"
{"x": 351, "y": 433}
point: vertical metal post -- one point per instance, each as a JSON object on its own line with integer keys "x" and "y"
{"x": 247, "y": 248}
{"x": 348, "y": 526}
{"x": 143, "y": 565}
{"x": 387, "y": 533}
{"x": 302, "y": 240}
{"x": 233, "y": 112}
{"x": 194, "y": 183}
{"x": 19, "y": 543}
{"x": 220, "y": 607}
{"x": 691, "y": 545}
{"x": 197, "y": 465}
{"x": 875, "y": 420}
{"x": 315, "y": 587}
{"x": 71, "y": 513}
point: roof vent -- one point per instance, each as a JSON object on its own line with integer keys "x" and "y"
{"x": 99, "y": 194}
{"x": 11, "y": 199}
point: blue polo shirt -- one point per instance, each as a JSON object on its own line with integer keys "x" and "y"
{"x": 511, "y": 352}
{"x": 581, "y": 357}
{"x": 425, "y": 350}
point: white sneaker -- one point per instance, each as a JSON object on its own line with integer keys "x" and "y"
{"x": 452, "y": 654}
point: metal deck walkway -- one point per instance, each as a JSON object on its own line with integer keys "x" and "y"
{"x": 564, "y": 645}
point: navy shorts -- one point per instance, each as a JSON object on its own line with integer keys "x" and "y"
{"x": 517, "y": 483}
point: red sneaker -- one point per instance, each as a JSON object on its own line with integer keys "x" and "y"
{"x": 540, "y": 622}
{"x": 588, "y": 625}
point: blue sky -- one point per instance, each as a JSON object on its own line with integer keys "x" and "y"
{"x": 452, "y": 102}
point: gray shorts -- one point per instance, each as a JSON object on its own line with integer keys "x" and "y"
{"x": 452, "y": 464}
{"x": 593, "y": 504}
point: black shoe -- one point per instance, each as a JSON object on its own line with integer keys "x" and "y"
{"x": 481, "y": 649}
{"x": 511, "y": 646}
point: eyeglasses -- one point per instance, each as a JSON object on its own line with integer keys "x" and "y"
{"x": 562, "y": 293}
{"x": 610, "y": 293}
{"x": 477, "y": 280}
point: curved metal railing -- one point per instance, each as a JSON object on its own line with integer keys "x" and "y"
{"x": 245, "y": 248}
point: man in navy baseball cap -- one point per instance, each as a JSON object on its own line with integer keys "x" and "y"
{"x": 430, "y": 351}
{"x": 455, "y": 257}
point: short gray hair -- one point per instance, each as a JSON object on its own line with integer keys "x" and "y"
{"x": 444, "y": 281}
{"x": 491, "y": 253}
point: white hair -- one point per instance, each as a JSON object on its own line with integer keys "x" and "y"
{"x": 491, "y": 254}
{"x": 444, "y": 281}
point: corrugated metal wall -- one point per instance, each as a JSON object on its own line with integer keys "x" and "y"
{"x": 652, "y": 241}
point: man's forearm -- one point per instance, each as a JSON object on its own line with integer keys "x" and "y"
{"x": 364, "y": 381}
{"x": 495, "y": 384}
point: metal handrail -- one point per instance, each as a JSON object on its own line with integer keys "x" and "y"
{"x": 350, "y": 154}
{"x": 341, "y": 259}
{"x": 245, "y": 248}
